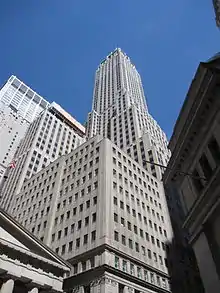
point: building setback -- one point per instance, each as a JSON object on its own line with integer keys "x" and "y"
{"x": 119, "y": 112}
{"x": 19, "y": 106}
{"x": 195, "y": 146}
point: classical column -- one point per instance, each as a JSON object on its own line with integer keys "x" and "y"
{"x": 7, "y": 286}
{"x": 34, "y": 290}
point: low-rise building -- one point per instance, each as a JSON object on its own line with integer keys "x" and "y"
{"x": 26, "y": 264}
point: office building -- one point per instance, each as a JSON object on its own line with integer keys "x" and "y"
{"x": 104, "y": 213}
{"x": 195, "y": 146}
{"x": 19, "y": 106}
{"x": 26, "y": 102}
{"x": 119, "y": 112}
{"x": 51, "y": 135}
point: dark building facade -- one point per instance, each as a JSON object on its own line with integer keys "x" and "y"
{"x": 195, "y": 147}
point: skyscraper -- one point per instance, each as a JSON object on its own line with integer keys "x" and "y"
{"x": 120, "y": 113}
{"x": 22, "y": 99}
{"x": 51, "y": 135}
{"x": 19, "y": 106}
{"x": 102, "y": 207}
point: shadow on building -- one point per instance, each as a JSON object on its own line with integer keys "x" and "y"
{"x": 181, "y": 261}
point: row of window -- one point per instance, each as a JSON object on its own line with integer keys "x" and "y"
{"x": 144, "y": 235}
{"x": 78, "y": 243}
{"x": 134, "y": 213}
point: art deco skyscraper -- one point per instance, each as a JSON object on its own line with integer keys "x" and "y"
{"x": 120, "y": 113}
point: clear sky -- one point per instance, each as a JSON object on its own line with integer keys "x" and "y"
{"x": 55, "y": 46}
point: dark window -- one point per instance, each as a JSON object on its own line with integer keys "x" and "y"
{"x": 197, "y": 181}
{"x": 206, "y": 168}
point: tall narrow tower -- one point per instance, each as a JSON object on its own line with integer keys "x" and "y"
{"x": 120, "y": 113}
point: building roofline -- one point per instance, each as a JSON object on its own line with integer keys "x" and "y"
{"x": 28, "y": 239}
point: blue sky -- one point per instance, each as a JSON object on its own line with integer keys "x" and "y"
{"x": 55, "y": 46}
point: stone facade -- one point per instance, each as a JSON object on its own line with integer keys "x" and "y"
{"x": 26, "y": 265}
{"x": 195, "y": 146}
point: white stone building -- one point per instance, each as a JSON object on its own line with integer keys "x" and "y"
{"x": 119, "y": 112}
{"x": 102, "y": 212}
{"x": 19, "y": 106}
{"x": 51, "y": 135}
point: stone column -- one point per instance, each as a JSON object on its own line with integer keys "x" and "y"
{"x": 7, "y": 286}
{"x": 34, "y": 290}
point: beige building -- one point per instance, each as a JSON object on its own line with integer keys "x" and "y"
{"x": 195, "y": 147}
{"x": 104, "y": 213}
{"x": 26, "y": 264}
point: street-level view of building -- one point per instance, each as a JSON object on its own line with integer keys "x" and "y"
{"x": 99, "y": 202}
{"x": 195, "y": 146}
{"x": 19, "y": 106}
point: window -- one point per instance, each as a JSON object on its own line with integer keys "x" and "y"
{"x": 207, "y": 170}
{"x": 88, "y": 204}
{"x": 63, "y": 249}
{"x": 124, "y": 266}
{"x": 121, "y": 205}
{"x": 115, "y": 217}
{"x": 86, "y": 221}
{"x": 135, "y": 229}
{"x": 72, "y": 228}
{"x": 59, "y": 234}
{"x": 115, "y": 201}
{"x": 93, "y": 234}
{"x": 123, "y": 240}
{"x": 95, "y": 200}
{"x": 79, "y": 224}
{"x": 122, "y": 221}
{"x": 139, "y": 272}
{"x": 74, "y": 211}
{"x": 85, "y": 239}
{"x": 130, "y": 243}
{"x": 136, "y": 246}
{"x": 131, "y": 269}
{"x": 94, "y": 217}
{"x": 81, "y": 208}
{"x": 77, "y": 243}
{"x": 70, "y": 246}
{"x": 116, "y": 262}
{"x": 143, "y": 250}
{"x": 116, "y": 236}
{"x": 66, "y": 231}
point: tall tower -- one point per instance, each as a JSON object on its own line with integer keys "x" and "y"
{"x": 119, "y": 112}
{"x": 51, "y": 135}
{"x": 19, "y": 106}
